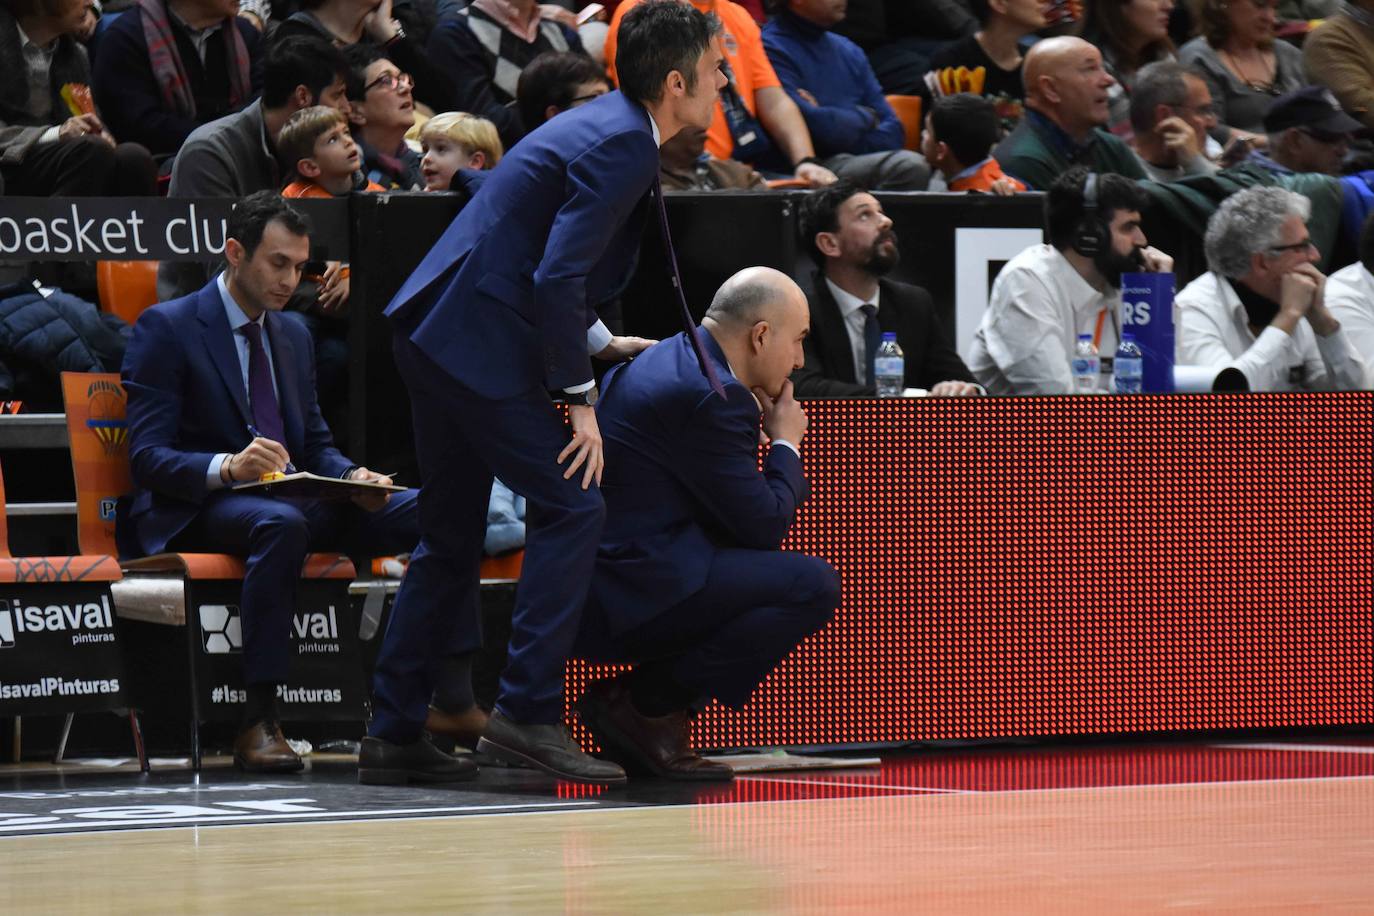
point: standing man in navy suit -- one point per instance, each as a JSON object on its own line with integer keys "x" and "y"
{"x": 496, "y": 316}
{"x": 221, "y": 391}
{"x": 690, "y": 583}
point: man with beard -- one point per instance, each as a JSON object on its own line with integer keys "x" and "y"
{"x": 1049, "y": 294}
{"x": 1262, "y": 307}
{"x": 852, "y": 304}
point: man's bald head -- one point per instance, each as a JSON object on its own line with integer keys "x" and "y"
{"x": 760, "y": 317}
{"x": 754, "y": 294}
{"x": 1065, "y": 81}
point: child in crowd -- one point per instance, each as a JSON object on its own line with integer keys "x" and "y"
{"x": 961, "y": 131}
{"x": 456, "y": 140}
{"x": 318, "y": 149}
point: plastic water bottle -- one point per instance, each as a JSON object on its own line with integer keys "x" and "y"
{"x": 1086, "y": 365}
{"x": 889, "y": 368}
{"x": 1129, "y": 366}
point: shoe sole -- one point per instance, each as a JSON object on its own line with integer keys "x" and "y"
{"x": 513, "y": 757}
{"x": 627, "y": 754}
{"x": 373, "y": 776}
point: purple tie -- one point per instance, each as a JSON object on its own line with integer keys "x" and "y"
{"x": 707, "y": 369}
{"x": 266, "y": 413}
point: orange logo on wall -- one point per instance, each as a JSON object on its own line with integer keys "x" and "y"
{"x": 106, "y": 420}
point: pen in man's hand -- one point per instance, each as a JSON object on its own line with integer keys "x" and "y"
{"x": 253, "y": 431}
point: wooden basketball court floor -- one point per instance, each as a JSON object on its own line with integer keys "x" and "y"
{"x": 1264, "y": 826}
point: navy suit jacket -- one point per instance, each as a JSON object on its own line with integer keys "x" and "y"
{"x": 503, "y": 300}
{"x": 682, "y": 480}
{"x": 187, "y": 403}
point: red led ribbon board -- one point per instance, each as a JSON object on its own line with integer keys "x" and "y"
{"x": 1078, "y": 566}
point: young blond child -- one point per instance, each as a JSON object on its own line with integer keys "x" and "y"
{"x": 318, "y": 149}
{"x": 456, "y": 140}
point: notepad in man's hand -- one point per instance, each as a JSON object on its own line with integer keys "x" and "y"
{"x": 304, "y": 485}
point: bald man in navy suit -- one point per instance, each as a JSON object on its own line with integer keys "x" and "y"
{"x": 497, "y": 316}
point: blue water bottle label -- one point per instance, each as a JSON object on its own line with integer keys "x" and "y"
{"x": 1147, "y": 309}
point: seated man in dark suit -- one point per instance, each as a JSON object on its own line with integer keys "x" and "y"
{"x": 221, "y": 391}
{"x": 689, "y": 583}
{"x": 852, "y": 242}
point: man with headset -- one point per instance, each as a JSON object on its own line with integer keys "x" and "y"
{"x": 1049, "y": 294}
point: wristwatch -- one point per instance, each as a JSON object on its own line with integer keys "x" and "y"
{"x": 582, "y": 398}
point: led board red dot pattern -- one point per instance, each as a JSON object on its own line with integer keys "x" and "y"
{"x": 1078, "y": 566}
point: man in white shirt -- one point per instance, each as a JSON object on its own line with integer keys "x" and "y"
{"x": 1261, "y": 309}
{"x": 1049, "y": 294}
{"x": 1349, "y": 296}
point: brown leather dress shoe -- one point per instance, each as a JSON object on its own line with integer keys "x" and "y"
{"x": 648, "y": 744}
{"x": 464, "y": 727}
{"x": 261, "y": 748}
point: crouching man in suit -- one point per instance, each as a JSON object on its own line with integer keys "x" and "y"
{"x": 690, "y": 584}
{"x": 221, "y": 391}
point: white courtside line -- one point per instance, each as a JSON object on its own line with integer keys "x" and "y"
{"x": 915, "y": 790}
{"x": 302, "y": 817}
{"x": 1317, "y": 748}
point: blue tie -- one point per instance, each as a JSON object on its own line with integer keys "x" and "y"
{"x": 873, "y": 335}
{"x": 262, "y": 397}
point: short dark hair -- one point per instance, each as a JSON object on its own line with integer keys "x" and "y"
{"x": 1064, "y": 202}
{"x": 551, "y": 79}
{"x": 358, "y": 58}
{"x": 656, "y": 38}
{"x": 967, "y": 124}
{"x": 1160, "y": 83}
{"x": 299, "y": 60}
{"x": 820, "y": 212}
{"x": 250, "y": 216}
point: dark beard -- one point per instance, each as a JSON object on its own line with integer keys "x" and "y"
{"x": 1112, "y": 265}
{"x": 878, "y": 263}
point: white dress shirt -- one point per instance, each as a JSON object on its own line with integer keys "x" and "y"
{"x": 1038, "y": 306}
{"x": 851, "y": 308}
{"x": 1350, "y": 298}
{"x": 1214, "y": 331}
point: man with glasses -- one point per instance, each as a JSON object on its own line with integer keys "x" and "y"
{"x": 381, "y": 110}
{"x": 1261, "y": 309}
{"x": 555, "y": 82}
{"x": 1308, "y": 132}
{"x": 1171, "y": 115}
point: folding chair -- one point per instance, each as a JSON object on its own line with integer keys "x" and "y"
{"x": 908, "y": 108}
{"x": 60, "y": 651}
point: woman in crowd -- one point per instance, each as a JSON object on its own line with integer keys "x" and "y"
{"x": 996, "y": 47}
{"x": 349, "y": 22}
{"x": 1130, "y": 34}
{"x": 1244, "y": 66}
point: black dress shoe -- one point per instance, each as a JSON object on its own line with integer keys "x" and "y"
{"x": 656, "y": 745}
{"x": 381, "y": 763}
{"x": 261, "y": 748}
{"x": 547, "y": 748}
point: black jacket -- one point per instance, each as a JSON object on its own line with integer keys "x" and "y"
{"x": 903, "y": 308}
{"x": 43, "y": 336}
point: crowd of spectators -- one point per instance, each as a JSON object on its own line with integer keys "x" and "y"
{"x": 218, "y": 98}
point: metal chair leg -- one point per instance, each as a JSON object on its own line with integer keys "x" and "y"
{"x": 62, "y": 741}
{"x": 137, "y": 732}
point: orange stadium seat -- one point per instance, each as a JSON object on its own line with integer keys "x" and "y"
{"x": 95, "y": 569}
{"x": 126, "y": 288}
{"x": 908, "y": 108}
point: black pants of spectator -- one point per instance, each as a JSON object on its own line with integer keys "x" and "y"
{"x": 84, "y": 166}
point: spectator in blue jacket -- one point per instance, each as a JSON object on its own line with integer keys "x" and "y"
{"x": 855, "y": 131}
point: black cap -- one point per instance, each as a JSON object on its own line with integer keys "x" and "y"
{"x": 1311, "y": 108}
